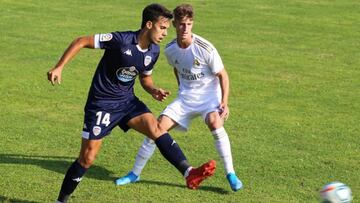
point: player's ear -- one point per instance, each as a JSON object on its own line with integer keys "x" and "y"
{"x": 173, "y": 23}
{"x": 149, "y": 24}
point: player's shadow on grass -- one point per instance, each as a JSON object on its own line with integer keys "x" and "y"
{"x": 5, "y": 199}
{"x": 58, "y": 164}
{"x": 204, "y": 188}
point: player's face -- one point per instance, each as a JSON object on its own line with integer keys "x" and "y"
{"x": 184, "y": 28}
{"x": 158, "y": 30}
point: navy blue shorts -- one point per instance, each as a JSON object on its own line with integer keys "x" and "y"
{"x": 101, "y": 118}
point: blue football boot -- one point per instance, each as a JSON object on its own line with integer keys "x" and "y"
{"x": 129, "y": 178}
{"x": 234, "y": 181}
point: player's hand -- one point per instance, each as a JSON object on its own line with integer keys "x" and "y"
{"x": 224, "y": 113}
{"x": 160, "y": 94}
{"x": 54, "y": 75}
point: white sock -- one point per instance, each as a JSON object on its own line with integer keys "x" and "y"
{"x": 145, "y": 152}
{"x": 222, "y": 144}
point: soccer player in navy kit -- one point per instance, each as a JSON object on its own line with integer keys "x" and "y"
{"x": 111, "y": 101}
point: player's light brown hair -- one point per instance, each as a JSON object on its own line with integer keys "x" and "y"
{"x": 182, "y": 11}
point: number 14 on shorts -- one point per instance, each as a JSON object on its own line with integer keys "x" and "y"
{"x": 102, "y": 119}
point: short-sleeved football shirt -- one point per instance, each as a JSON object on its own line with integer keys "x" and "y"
{"x": 118, "y": 68}
{"x": 196, "y": 67}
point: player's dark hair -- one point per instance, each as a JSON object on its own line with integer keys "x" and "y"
{"x": 152, "y": 13}
{"x": 182, "y": 11}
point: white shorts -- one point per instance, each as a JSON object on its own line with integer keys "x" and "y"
{"x": 182, "y": 111}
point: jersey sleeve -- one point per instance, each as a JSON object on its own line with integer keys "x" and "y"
{"x": 150, "y": 67}
{"x": 214, "y": 61}
{"x": 111, "y": 40}
{"x": 147, "y": 72}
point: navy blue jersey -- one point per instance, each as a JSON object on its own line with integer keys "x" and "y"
{"x": 122, "y": 61}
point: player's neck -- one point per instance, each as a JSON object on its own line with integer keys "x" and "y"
{"x": 143, "y": 40}
{"x": 184, "y": 43}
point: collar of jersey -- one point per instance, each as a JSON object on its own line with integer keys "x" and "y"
{"x": 135, "y": 41}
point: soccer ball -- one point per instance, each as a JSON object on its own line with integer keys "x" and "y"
{"x": 336, "y": 192}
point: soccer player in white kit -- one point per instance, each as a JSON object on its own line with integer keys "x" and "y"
{"x": 203, "y": 91}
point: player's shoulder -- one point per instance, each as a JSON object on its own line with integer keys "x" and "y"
{"x": 126, "y": 36}
{"x": 203, "y": 44}
{"x": 171, "y": 44}
{"x": 128, "y": 33}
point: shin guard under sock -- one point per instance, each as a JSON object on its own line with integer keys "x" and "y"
{"x": 172, "y": 152}
{"x": 72, "y": 178}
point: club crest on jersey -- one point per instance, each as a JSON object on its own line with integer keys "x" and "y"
{"x": 105, "y": 37}
{"x": 147, "y": 60}
{"x": 126, "y": 74}
{"x": 96, "y": 130}
{"x": 196, "y": 62}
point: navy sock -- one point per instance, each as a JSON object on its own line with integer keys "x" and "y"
{"x": 72, "y": 179}
{"x": 172, "y": 152}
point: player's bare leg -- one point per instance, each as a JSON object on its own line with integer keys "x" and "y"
{"x": 88, "y": 152}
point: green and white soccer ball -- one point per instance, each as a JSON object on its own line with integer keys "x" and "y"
{"x": 336, "y": 192}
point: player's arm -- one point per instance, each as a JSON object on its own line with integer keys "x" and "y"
{"x": 148, "y": 84}
{"x": 224, "y": 84}
{"x": 54, "y": 74}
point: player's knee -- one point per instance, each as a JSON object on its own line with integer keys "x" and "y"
{"x": 158, "y": 131}
{"x": 213, "y": 121}
{"x": 214, "y": 124}
{"x": 160, "y": 122}
{"x": 154, "y": 131}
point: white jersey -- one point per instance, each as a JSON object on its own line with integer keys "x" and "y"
{"x": 196, "y": 67}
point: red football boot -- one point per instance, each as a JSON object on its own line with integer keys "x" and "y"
{"x": 197, "y": 175}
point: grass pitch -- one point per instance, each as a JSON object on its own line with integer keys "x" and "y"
{"x": 295, "y": 101}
